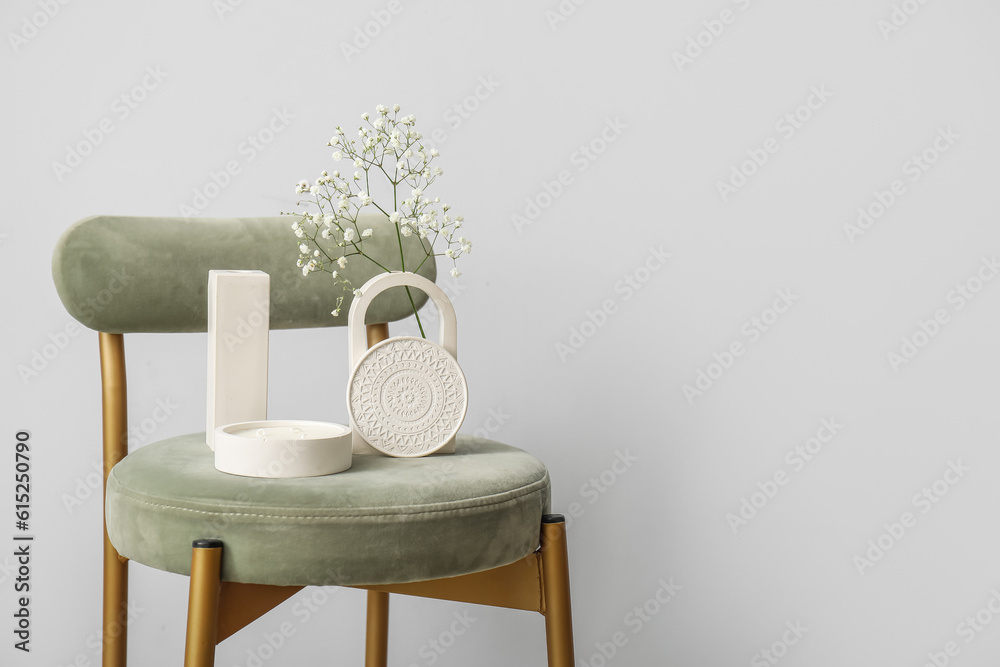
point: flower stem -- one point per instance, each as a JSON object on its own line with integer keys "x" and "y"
{"x": 415, "y": 313}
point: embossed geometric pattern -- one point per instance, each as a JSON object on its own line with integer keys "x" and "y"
{"x": 407, "y": 397}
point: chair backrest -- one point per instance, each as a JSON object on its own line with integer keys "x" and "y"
{"x": 122, "y": 274}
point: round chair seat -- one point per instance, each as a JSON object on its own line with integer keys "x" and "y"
{"x": 386, "y": 520}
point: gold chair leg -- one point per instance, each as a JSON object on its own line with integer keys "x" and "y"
{"x": 203, "y": 603}
{"x": 114, "y": 411}
{"x": 555, "y": 590}
{"x": 377, "y": 627}
{"x": 377, "y": 631}
{"x": 115, "y": 624}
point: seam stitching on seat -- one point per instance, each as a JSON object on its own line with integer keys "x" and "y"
{"x": 534, "y": 487}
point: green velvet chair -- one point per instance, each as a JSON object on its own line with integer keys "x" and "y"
{"x": 484, "y": 535}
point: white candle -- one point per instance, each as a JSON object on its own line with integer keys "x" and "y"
{"x": 301, "y": 432}
{"x": 238, "y": 323}
{"x": 283, "y": 448}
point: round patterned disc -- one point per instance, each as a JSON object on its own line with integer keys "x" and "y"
{"x": 407, "y": 397}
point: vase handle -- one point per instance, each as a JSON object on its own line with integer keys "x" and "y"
{"x": 358, "y": 342}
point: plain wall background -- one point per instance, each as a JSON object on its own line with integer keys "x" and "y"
{"x": 557, "y": 82}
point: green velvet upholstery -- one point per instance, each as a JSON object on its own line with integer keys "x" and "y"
{"x": 385, "y": 520}
{"x": 121, "y": 274}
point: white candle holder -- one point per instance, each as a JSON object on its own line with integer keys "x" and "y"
{"x": 282, "y": 448}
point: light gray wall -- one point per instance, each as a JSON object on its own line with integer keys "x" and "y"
{"x": 587, "y": 372}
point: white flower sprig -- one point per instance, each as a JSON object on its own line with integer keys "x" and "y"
{"x": 390, "y": 146}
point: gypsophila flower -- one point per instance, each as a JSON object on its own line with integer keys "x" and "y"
{"x": 455, "y": 273}
{"x": 388, "y": 146}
